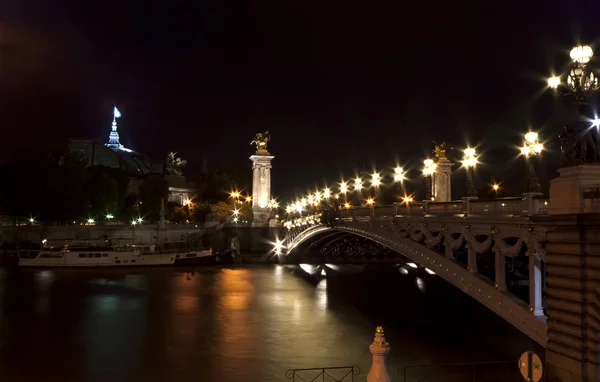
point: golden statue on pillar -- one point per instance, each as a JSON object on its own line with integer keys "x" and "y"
{"x": 440, "y": 151}
{"x": 260, "y": 140}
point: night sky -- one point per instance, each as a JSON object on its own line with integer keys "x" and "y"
{"x": 339, "y": 84}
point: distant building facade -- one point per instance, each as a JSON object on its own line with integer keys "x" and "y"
{"x": 137, "y": 165}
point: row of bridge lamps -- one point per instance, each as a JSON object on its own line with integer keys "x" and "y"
{"x": 580, "y": 83}
{"x": 531, "y": 149}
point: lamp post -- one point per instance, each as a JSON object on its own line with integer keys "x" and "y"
{"x": 399, "y": 177}
{"x": 428, "y": 171}
{"x": 530, "y": 150}
{"x": 579, "y": 140}
{"x": 469, "y": 163}
{"x": 371, "y": 203}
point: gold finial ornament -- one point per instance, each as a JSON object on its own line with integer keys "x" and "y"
{"x": 260, "y": 140}
{"x": 379, "y": 340}
{"x": 440, "y": 151}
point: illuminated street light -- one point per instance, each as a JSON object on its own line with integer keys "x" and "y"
{"x": 428, "y": 171}
{"x": 31, "y": 220}
{"x": 278, "y": 247}
{"x": 90, "y": 221}
{"x": 326, "y": 193}
{"x": 357, "y": 184}
{"x": 398, "y": 174}
{"x": 469, "y": 163}
{"x": 140, "y": 220}
{"x": 318, "y": 196}
{"x": 347, "y": 205}
{"x": 371, "y": 203}
{"x": 553, "y": 82}
{"x": 581, "y": 83}
{"x": 375, "y": 180}
{"x": 343, "y": 188}
{"x": 531, "y": 149}
{"x": 236, "y": 212}
{"x": 495, "y": 187}
{"x": 109, "y": 216}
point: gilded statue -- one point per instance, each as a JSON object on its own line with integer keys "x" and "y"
{"x": 260, "y": 140}
{"x": 440, "y": 150}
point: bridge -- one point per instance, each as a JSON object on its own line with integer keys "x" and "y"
{"x": 532, "y": 266}
{"x": 533, "y": 260}
{"x": 495, "y": 252}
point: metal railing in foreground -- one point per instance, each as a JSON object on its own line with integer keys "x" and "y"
{"x": 323, "y": 374}
{"x": 499, "y": 371}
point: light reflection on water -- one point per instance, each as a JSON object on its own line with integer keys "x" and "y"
{"x": 223, "y": 324}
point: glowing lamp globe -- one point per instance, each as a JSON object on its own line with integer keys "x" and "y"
{"x": 525, "y": 150}
{"x": 538, "y": 147}
{"x": 531, "y": 137}
{"x": 581, "y": 54}
{"x": 470, "y": 152}
{"x": 553, "y": 82}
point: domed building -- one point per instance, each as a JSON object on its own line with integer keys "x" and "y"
{"x": 137, "y": 165}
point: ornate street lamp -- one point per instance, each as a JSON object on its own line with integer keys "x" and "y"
{"x": 399, "y": 178}
{"x": 469, "y": 162}
{"x": 343, "y": 187}
{"x": 375, "y": 179}
{"x": 371, "y": 203}
{"x": 579, "y": 140}
{"x": 530, "y": 150}
{"x": 428, "y": 171}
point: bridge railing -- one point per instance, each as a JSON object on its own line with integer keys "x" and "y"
{"x": 502, "y": 207}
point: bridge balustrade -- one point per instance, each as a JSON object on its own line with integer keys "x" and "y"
{"x": 515, "y": 206}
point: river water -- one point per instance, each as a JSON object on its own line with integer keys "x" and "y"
{"x": 234, "y": 324}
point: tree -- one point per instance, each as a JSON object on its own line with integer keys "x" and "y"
{"x": 153, "y": 191}
{"x": 101, "y": 192}
{"x": 44, "y": 185}
{"x": 224, "y": 211}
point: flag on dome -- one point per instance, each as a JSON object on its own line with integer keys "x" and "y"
{"x": 117, "y": 113}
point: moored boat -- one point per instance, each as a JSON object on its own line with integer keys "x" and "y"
{"x": 80, "y": 256}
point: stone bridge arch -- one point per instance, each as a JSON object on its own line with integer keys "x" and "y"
{"x": 405, "y": 240}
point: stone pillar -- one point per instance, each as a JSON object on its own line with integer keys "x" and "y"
{"x": 442, "y": 181}
{"x": 535, "y": 284}
{"x": 500, "y": 268}
{"x": 566, "y": 191}
{"x": 530, "y": 205}
{"x": 380, "y": 350}
{"x": 261, "y": 188}
{"x": 573, "y": 260}
{"x": 471, "y": 259}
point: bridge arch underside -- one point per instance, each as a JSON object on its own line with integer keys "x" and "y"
{"x": 341, "y": 247}
{"x": 364, "y": 244}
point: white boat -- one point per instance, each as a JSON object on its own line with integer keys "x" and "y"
{"x": 109, "y": 256}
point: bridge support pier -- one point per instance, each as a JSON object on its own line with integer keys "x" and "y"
{"x": 573, "y": 264}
